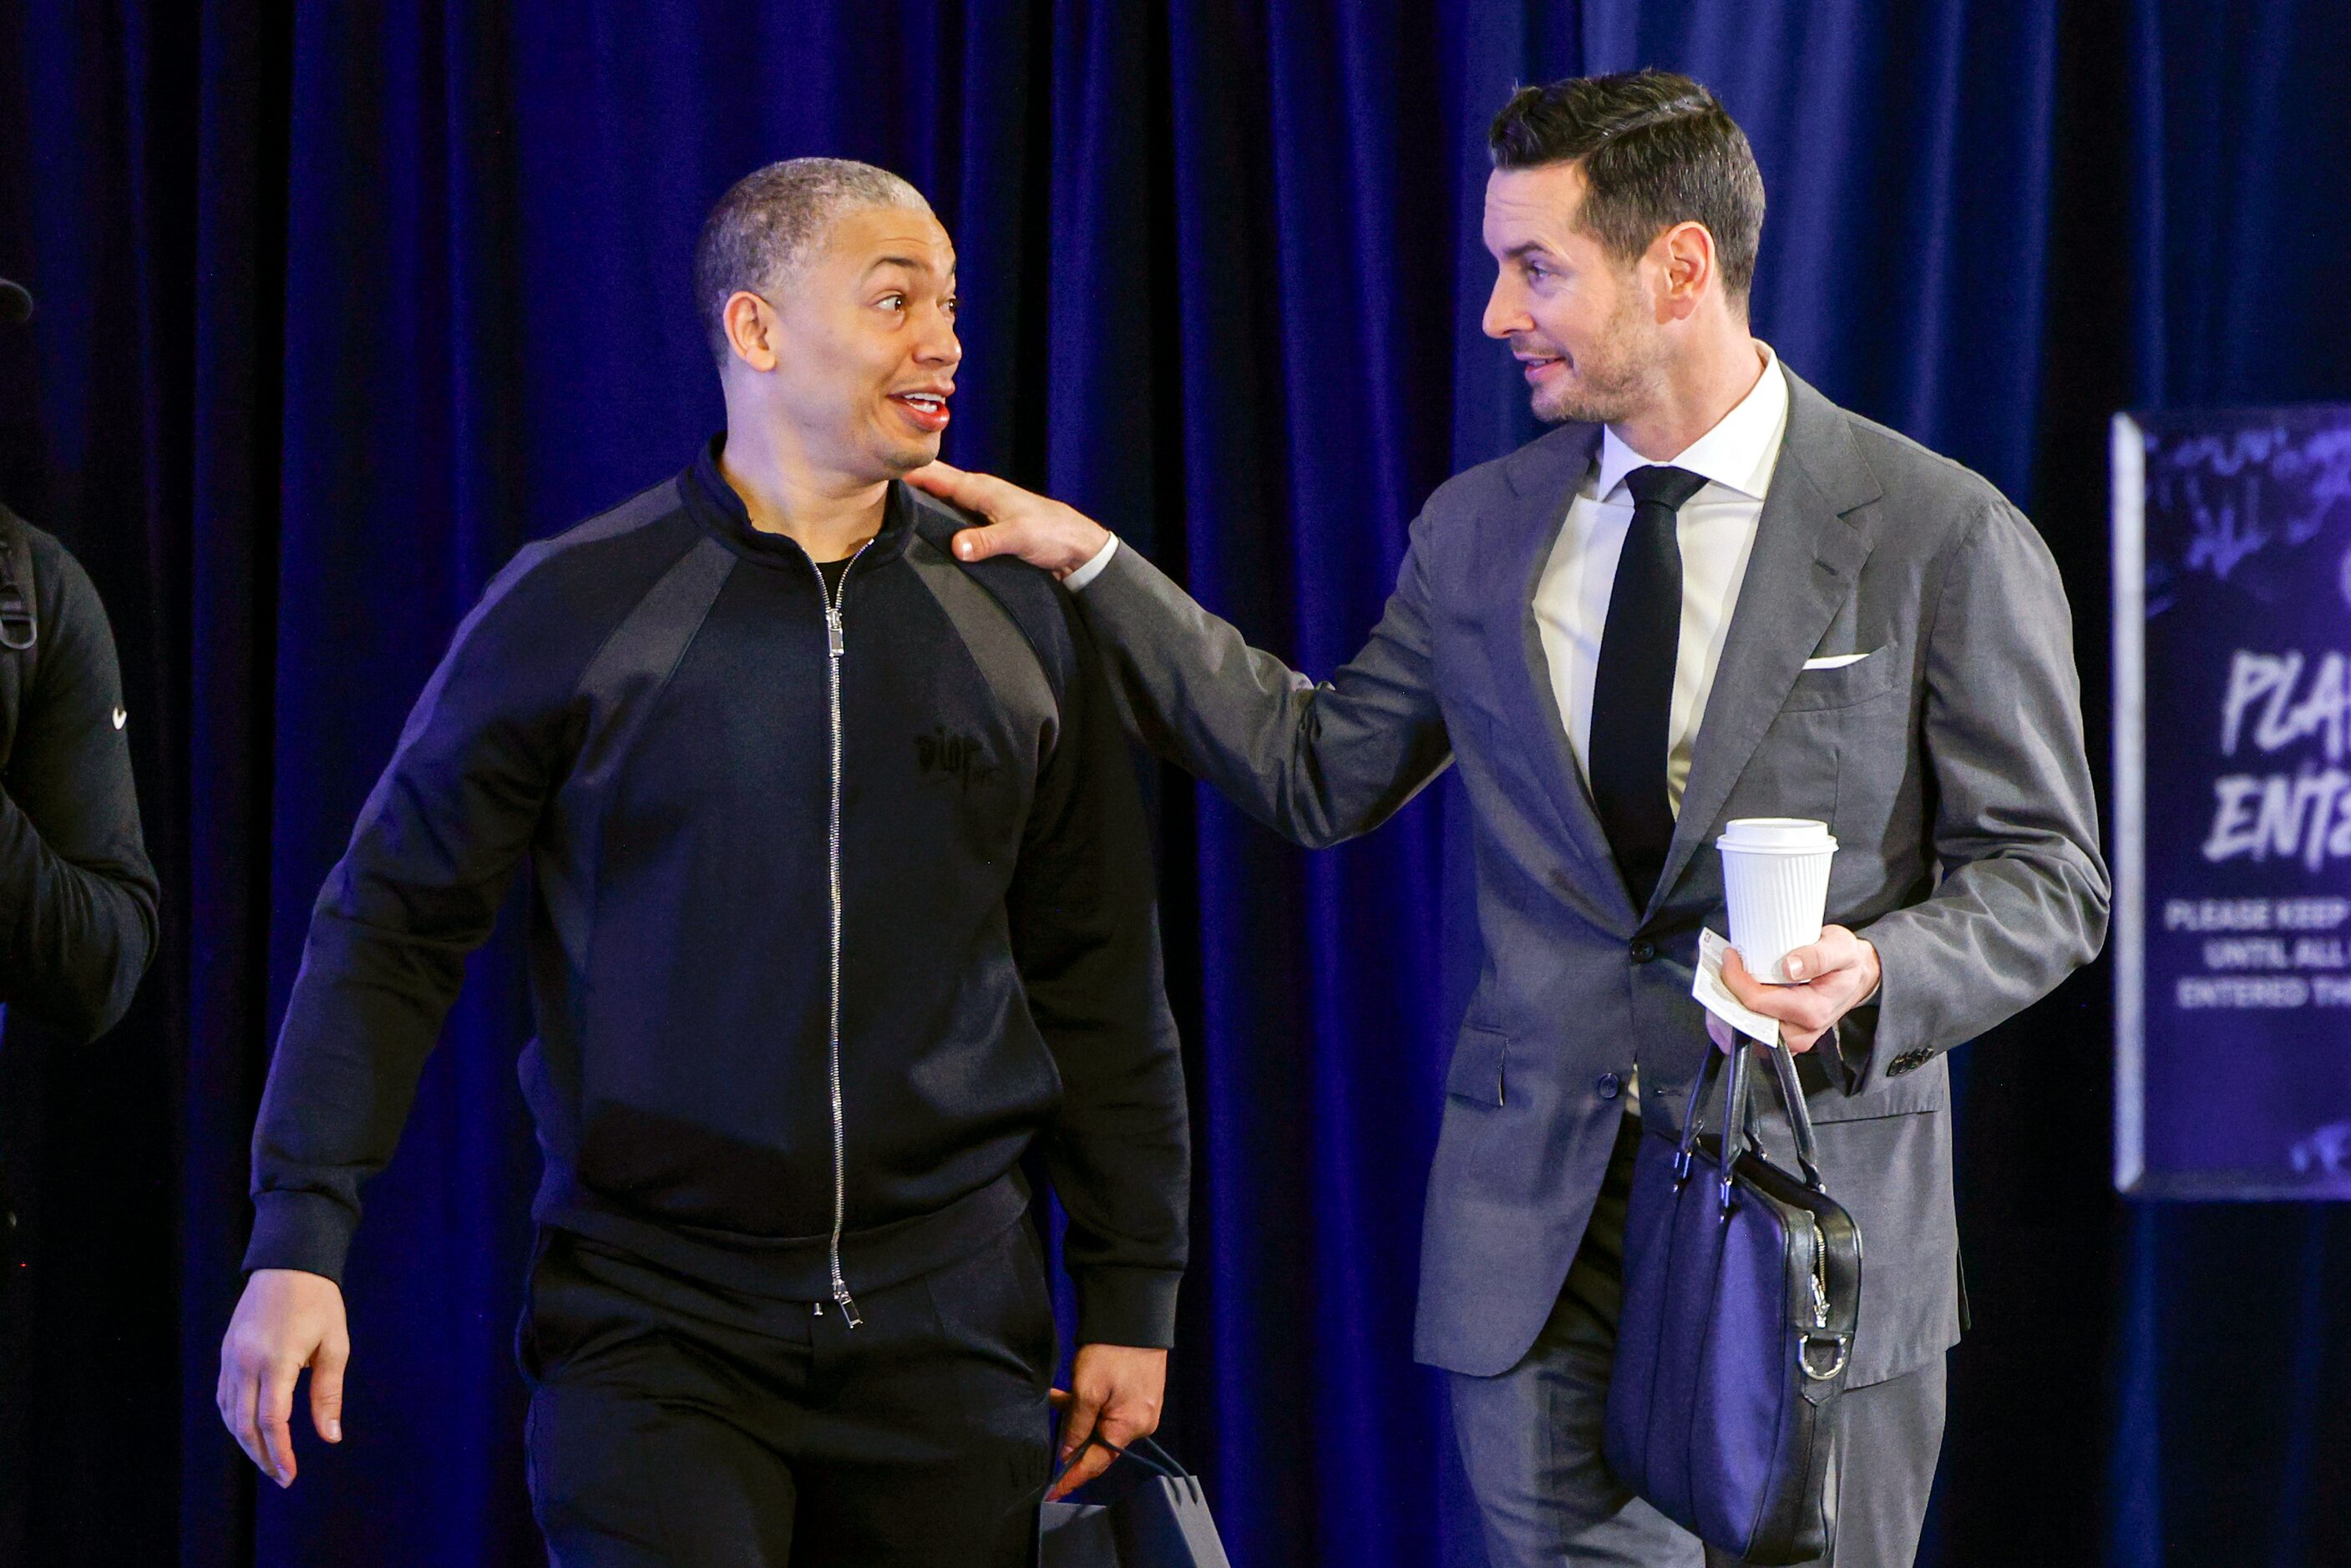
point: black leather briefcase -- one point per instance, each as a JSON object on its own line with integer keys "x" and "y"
{"x": 1742, "y": 1292}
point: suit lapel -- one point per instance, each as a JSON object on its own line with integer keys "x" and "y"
{"x": 1518, "y": 542}
{"x": 1804, "y": 566}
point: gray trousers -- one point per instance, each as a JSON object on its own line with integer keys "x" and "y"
{"x": 1531, "y": 1437}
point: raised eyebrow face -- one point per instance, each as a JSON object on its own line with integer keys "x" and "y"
{"x": 919, "y": 269}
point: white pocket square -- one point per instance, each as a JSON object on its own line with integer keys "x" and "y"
{"x": 1834, "y": 660}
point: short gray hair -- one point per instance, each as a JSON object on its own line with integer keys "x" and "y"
{"x": 768, "y": 227}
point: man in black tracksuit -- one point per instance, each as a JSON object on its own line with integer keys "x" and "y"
{"x": 841, "y": 902}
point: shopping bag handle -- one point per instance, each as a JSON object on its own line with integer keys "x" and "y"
{"x": 1146, "y": 1453}
{"x": 1143, "y": 1451}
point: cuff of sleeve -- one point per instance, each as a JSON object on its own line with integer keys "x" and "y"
{"x": 1855, "y": 1039}
{"x": 1872, "y": 1035}
{"x": 305, "y": 1231}
{"x": 1128, "y": 1306}
{"x": 1076, "y": 581}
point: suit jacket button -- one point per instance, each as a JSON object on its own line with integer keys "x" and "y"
{"x": 1608, "y": 1083}
{"x": 1644, "y": 949}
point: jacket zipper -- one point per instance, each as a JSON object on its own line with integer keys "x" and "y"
{"x": 836, "y": 645}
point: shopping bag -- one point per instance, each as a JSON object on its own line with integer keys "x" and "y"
{"x": 1160, "y": 1521}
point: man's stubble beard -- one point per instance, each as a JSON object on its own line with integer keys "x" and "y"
{"x": 1617, "y": 378}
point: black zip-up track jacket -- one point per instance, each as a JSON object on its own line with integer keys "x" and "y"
{"x": 838, "y": 907}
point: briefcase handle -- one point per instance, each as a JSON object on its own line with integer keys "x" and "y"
{"x": 1738, "y": 1117}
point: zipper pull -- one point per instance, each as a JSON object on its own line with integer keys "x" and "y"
{"x": 834, "y": 642}
{"x": 848, "y": 1306}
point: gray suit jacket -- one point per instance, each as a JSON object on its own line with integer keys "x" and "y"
{"x": 1948, "y": 763}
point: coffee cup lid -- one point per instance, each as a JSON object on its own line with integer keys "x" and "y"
{"x": 1776, "y": 834}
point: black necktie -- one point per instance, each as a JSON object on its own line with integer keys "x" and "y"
{"x": 1633, "y": 689}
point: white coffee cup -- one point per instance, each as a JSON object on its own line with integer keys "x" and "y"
{"x": 1775, "y": 875}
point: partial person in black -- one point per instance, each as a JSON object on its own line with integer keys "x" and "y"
{"x": 840, "y": 904}
{"x": 77, "y": 895}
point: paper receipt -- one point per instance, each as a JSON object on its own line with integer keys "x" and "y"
{"x": 1715, "y": 997}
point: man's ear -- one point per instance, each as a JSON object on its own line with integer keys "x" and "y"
{"x": 1688, "y": 265}
{"x": 751, "y": 330}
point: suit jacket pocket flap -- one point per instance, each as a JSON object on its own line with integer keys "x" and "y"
{"x": 1874, "y": 674}
{"x": 1477, "y": 1070}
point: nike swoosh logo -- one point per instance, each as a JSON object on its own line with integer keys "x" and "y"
{"x": 120, "y": 718}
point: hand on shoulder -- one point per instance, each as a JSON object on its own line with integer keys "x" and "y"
{"x": 1041, "y": 530}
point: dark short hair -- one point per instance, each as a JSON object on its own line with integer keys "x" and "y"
{"x": 1658, "y": 149}
{"x": 766, "y": 229}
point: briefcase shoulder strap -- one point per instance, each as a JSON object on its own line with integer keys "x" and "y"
{"x": 20, "y": 601}
{"x": 20, "y": 626}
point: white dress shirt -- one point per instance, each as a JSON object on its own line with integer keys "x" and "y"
{"x": 1716, "y": 532}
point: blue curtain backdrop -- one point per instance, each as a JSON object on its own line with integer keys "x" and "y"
{"x": 342, "y": 304}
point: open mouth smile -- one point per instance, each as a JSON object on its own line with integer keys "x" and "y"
{"x": 925, "y": 411}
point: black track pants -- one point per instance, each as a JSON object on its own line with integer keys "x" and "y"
{"x": 675, "y": 1424}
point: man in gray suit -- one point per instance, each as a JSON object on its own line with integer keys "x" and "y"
{"x": 1709, "y": 594}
